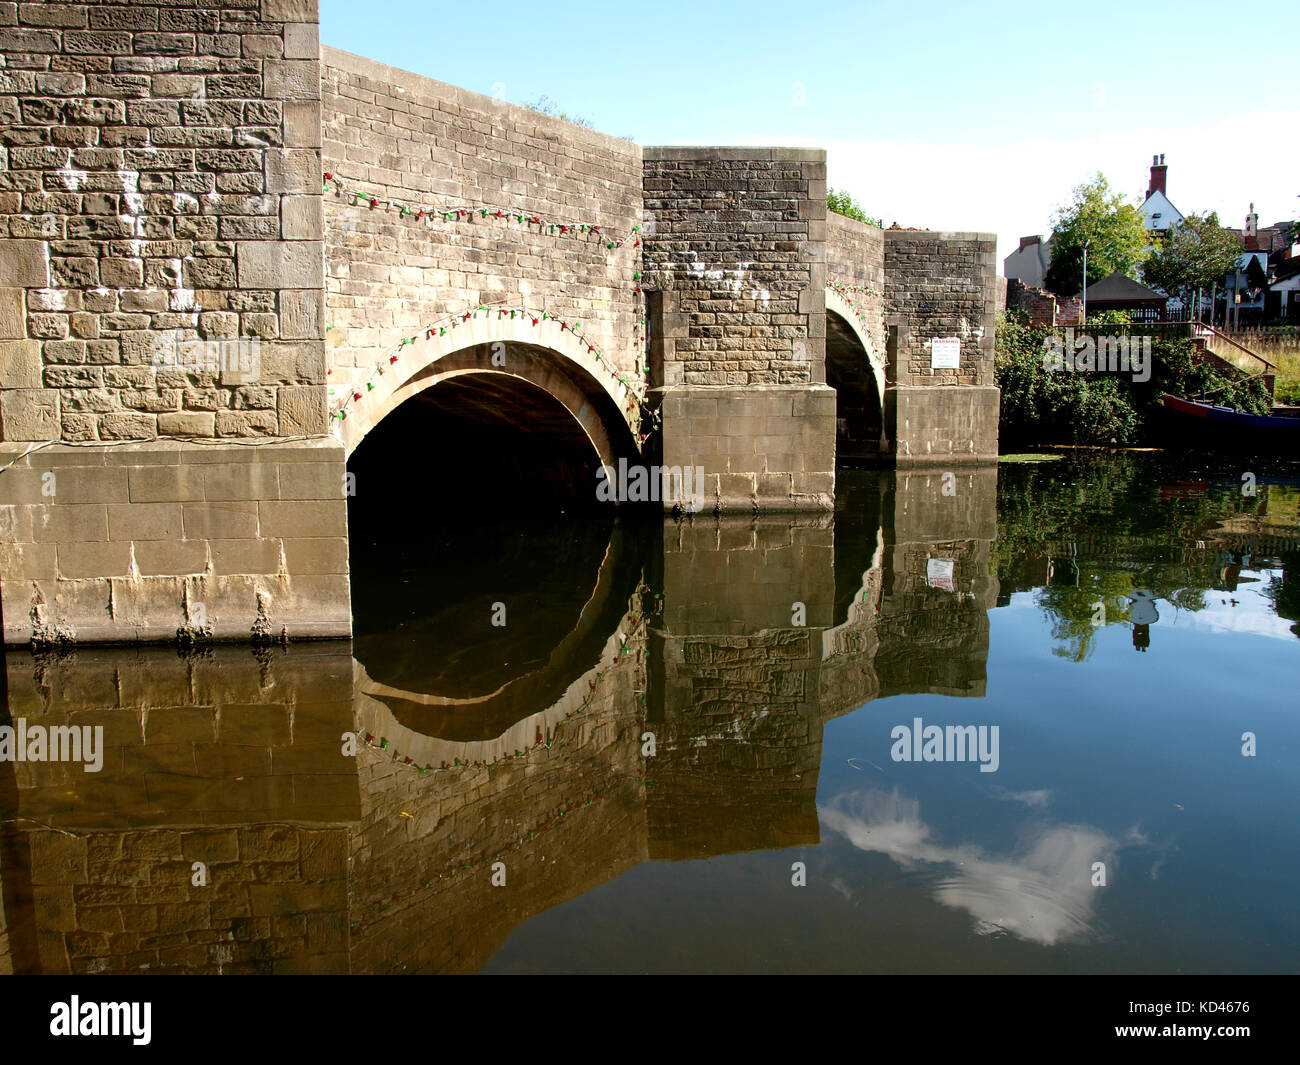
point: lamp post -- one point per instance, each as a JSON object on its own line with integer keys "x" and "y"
{"x": 1085, "y": 283}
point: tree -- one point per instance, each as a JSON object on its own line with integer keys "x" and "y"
{"x": 1196, "y": 253}
{"x": 843, "y": 203}
{"x": 1112, "y": 228}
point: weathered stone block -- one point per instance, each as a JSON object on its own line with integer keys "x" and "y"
{"x": 295, "y": 518}
{"x": 301, "y": 313}
{"x": 187, "y": 423}
{"x": 236, "y": 520}
{"x": 251, "y": 480}
{"x": 316, "y": 554}
{"x": 291, "y": 79}
{"x": 280, "y": 264}
{"x": 13, "y": 315}
{"x": 122, "y": 426}
{"x": 303, "y": 410}
{"x": 158, "y": 484}
{"x": 290, "y": 10}
{"x": 289, "y": 170}
{"x": 248, "y": 556}
{"x": 69, "y": 524}
{"x": 302, "y": 40}
{"x": 144, "y": 521}
{"x": 20, "y": 364}
{"x": 24, "y": 263}
{"x": 87, "y": 559}
{"x": 301, "y": 124}
{"x": 301, "y": 218}
{"x": 29, "y": 414}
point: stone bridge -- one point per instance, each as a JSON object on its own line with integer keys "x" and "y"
{"x": 228, "y": 256}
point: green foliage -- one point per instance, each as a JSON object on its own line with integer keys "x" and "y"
{"x": 1061, "y": 407}
{"x": 1287, "y": 392}
{"x": 1110, "y": 318}
{"x": 1042, "y": 405}
{"x": 1195, "y": 253}
{"x": 1112, "y": 228}
{"x": 544, "y": 105}
{"x": 843, "y": 203}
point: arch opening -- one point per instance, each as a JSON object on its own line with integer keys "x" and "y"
{"x": 859, "y": 409}
{"x": 504, "y": 426}
{"x": 474, "y": 442}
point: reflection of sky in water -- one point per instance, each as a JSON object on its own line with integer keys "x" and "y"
{"x": 1042, "y": 893}
{"x": 1247, "y": 609}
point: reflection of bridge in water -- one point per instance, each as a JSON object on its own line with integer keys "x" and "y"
{"x": 317, "y": 860}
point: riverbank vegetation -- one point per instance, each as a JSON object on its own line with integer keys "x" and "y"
{"x": 1044, "y": 405}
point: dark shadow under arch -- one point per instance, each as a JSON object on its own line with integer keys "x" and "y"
{"x": 859, "y": 414}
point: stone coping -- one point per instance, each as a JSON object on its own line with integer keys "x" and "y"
{"x": 169, "y": 452}
{"x": 405, "y": 80}
{"x": 723, "y": 153}
{"x": 938, "y": 234}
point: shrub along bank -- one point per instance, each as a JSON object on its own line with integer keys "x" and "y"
{"x": 1043, "y": 402}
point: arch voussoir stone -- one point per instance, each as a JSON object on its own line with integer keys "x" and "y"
{"x": 548, "y": 356}
{"x": 838, "y": 305}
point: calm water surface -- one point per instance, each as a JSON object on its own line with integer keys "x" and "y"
{"x": 644, "y": 732}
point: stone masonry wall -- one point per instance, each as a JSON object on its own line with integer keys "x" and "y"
{"x": 736, "y": 264}
{"x": 145, "y": 541}
{"x": 736, "y": 245}
{"x": 394, "y": 135}
{"x": 855, "y": 259}
{"x": 159, "y": 182}
{"x": 1041, "y": 307}
{"x": 941, "y": 285}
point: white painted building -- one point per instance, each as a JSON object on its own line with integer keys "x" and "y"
{"x": 1158, "y": 215}
{"x": 1028, "y": 264}
{"x": 1158, "y": 211}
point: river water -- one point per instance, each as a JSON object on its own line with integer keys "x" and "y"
{"x": 1038, "y": 718}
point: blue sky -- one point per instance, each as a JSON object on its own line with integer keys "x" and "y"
{"x": 942, "y": 115}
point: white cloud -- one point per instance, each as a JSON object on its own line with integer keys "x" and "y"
{"x": 1043, "y": 893}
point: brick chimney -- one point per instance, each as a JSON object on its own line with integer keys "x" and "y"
{"x": 1158, "y": 170}
{"x": 1027, "y": 241}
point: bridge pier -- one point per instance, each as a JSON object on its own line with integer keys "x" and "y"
{"x": 941, "y": 399}
{"x": 737, "y": 322}
{"x": 171, "y": 540}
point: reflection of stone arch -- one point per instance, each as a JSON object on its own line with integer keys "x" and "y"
{"x": 546, "y": 356}
{"x": 850, "y": 637}
{"x": 376, "y": 717}
{"x": 839, "y": 306}
{"x": 432, "y": 728}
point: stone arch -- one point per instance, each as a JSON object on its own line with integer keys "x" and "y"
{"x": 837, "y": 305}
{"x": 547, "y": 356}
{"x": 860, "y": 414}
